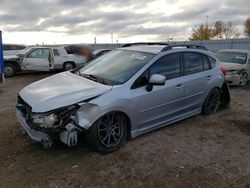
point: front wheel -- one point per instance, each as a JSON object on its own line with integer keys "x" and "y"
{"x": 9, "y": 70}
{"x": 212, "y": 102}
{"x": 108, "y": 133}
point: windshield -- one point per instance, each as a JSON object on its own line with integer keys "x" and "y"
{"x": 232, "y": 57}
{"x": 23, "y": 52}
{"x": 96, "y": 51}
{"x": 116, "y": 67}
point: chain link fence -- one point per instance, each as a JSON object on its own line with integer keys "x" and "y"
{"x": 212, "y": 45}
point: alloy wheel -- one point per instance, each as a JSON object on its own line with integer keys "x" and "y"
{"x": 243, "y": 79}
{"x": 213, "y": 102}
{"x": 110, "y": 130}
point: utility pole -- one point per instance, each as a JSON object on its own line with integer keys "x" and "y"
{"x": 206, "y": 20}
{"x": 94, "y": 40}
{"x": 1, "y": 60}
{"x": 112, "y": 37}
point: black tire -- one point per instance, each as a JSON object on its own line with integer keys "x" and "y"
{"x": 225, "y": 98}
{"x": 212, "y": 102}
{"x": 68, "y": 66}
{"x": 9, "y": 69}
{"x": 108, "y": 133}
{"x": 243, "y": 79}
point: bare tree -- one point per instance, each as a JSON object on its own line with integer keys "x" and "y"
{"x": 225, "y": 30}
{"x": 247, "y": 27}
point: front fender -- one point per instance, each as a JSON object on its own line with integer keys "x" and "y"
{"x": 89, "y": 113}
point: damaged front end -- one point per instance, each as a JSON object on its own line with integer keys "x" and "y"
{"x": 59, "y": 124}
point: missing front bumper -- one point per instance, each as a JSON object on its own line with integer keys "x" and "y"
{"x": 68, "y": 137}
{"x": 34, "y": 135}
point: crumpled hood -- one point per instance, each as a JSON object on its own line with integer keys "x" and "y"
{"x": 60, "y": 90}
{"x": 230, "y": 66}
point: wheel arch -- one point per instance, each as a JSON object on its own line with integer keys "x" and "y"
{"x": 15, "y": 63}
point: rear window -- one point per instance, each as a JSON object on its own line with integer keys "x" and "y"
{"x": 232, "y": 57}
{"x": 193, "y": 63}
{"x": 212, "y": 61}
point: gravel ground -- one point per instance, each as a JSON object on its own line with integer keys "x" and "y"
{"x": 202, "y": 151}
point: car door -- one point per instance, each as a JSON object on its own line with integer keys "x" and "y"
{"x": 197, "y": 73}
{"x": 163, "y": 103}
{"x": 38, "y": 59}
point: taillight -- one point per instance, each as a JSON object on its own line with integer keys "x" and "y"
{"x": 223, "y": 70}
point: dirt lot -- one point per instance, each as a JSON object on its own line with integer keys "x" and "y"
{"x": 203, "y": 151}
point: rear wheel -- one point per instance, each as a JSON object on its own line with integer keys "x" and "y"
{"x": 243, "y": 79}
{"x": 212, "y": 102}
{"x": 108, "y": 133}
{"x": 68, "y": 66}
{"x": 9, "y": 69}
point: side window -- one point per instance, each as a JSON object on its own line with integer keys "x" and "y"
{"x": 206, "y": 63}
{"x": 212, "y": 62}
{"x": 56, "y": 52}
{"x": 39, "y": 53}
{"x": 141, "y": 81}
{"x": 192, "y": 63}
{"x": 168, "y": 66}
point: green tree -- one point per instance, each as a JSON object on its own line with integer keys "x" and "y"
{"x": 247, "y": 27}
{"x": 202, "y": 33}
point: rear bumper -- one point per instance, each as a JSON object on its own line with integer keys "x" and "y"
{"x": 34, "y": 135}
{"x": 233, "y": 79}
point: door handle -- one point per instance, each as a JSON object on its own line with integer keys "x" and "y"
{"x": 179, "y": 86}
{"x": 209, "y": 77}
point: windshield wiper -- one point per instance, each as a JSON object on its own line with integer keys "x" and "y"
{"x": 94, "y": 78}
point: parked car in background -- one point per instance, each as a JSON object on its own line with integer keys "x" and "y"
{"x": 79, "y": 49}
{"x": 237, "y": 64}
{"x": 100, "y": 52}
{"x": 42, "y": 59}
{"x": 123, "y": 94}
{"x": 13, "y": 49}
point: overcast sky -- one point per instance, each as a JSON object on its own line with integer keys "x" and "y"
{"x": 79, "y": 21}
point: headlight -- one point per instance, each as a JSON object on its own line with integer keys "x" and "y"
{"x": 45, "y": 121}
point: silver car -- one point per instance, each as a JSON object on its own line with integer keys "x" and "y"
{"x": 123, "y": 94}
{"x": 42, "y": 59}
{"x": 13, "y": 49}
{"x": 237, "y": 64}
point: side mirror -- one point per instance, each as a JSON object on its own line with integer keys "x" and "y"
{"x": 155, "y": 79}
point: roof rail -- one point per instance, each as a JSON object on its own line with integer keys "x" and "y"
{"x": 144, "y": 43}
{"x": 193, "y": 46}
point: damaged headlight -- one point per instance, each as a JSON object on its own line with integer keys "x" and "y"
{"x": 56, "y": 118}
{"x": 45, "y": 121}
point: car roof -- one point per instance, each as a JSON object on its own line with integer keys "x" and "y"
{"x": 154, "y": 49}
{"x": 235, "y": 50}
